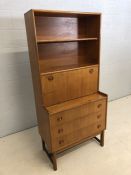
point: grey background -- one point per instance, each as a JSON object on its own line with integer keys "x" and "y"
{"x": 17, "y": 110}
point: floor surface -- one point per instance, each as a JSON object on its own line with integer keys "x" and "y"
{"x": 21, "y": 153}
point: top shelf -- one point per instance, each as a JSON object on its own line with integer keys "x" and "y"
{"x": 40, "y": 40}
{"x": 39, "y": 12}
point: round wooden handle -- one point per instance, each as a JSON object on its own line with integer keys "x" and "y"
{"x": 50, "y": 77}
{"x": 98, "y": 116}
{"x": 59, "y": 119}
{"x": 60, "y": 130}
{"x": 61, "y": 141}
{"x": 91, "y": 71}
{"x": 98, "y": 126}
{"x": 99, "y": 105}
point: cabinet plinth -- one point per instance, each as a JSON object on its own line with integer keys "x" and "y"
{"x": 64, "y": 52}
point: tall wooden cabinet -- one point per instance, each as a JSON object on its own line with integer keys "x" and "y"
{"x": 64, "y": 51}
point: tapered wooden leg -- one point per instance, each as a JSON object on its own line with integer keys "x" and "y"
{"x": 102, "y": 139}
{"x": 51, "y": 156}
{"x": 43, "y": 145}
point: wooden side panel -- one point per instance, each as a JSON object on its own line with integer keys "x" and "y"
{"x": 63, "y": 86}
{"x": 42, "y": 116}
{"x": 93, "y": 26}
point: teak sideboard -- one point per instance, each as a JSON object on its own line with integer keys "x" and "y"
{"x": 64, "y": 51}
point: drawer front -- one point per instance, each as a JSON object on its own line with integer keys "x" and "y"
{"x": 76, "y": 136}
{"x": 75, "y": 113}
{"x": 82, "y": 122}
{"x": 62, "y": 86}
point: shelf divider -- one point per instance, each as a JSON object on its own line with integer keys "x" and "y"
{"x": 40, "y": 41}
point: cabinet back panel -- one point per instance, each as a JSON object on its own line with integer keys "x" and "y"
{"x": 56, "y": 27}
{"x": 57, "y": 54}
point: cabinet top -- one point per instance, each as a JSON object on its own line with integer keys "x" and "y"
{"x": 62, "y": 13}
{"x": 76, "y": 102}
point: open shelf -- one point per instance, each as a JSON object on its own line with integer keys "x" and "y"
{"x": 64, "y": 29}
{"x": 42, "y": 40}
{"x": 61, "y": 56}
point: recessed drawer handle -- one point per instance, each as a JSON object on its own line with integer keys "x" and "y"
{"x": 98, "y": 126}
{"x": 61, "y": 141}
{"x": 60, "y": 130}
{"x": 99, "y": 105}
{"x": 91, "y": 71}
{"x": 98, "y": 116}
{"x": 59, "y": 119}
{"x": 50, "y": 77}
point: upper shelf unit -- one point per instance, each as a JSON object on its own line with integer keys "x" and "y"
{"x": 66, "y": 40}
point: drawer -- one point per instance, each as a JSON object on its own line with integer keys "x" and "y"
{"x": 62, "y": 86}
{"x": 69, "y": 115}
{"x": 76, "y": 136}
{"x": 82, "y": 122}
{"x": 75, "y": 113}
